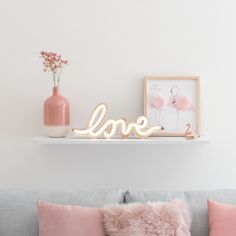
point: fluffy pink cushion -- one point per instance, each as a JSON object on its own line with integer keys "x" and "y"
{"x": 151, "y": 219}
{"x": 59, "y": 220}
{"x": 222, "y": 219}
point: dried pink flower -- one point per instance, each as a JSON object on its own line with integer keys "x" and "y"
{"x": 52, "y": 62}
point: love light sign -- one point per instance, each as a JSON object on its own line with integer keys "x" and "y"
{"x": 99, "y": 127}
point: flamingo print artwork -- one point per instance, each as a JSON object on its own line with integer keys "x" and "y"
{"x": 158, "y": 102}
{"x": 180, "y": 102}
{"x": 172, "y": 102}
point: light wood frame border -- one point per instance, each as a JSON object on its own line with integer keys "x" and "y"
{"x": 197, "y": 79}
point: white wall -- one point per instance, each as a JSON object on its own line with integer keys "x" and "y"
{"x": 111, "y": 46}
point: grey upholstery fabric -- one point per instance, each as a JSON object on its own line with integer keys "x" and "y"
{"x": 18, "y": 212}
{"x": 197, "y": 201}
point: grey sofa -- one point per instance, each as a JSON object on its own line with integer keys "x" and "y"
{"x": 18, "y": 214}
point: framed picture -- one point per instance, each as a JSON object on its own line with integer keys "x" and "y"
{"x": 173, "y": 103}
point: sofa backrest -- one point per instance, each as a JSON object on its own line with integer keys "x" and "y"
{"x": 18, "y": 212}
{"x": 197, "y": 201}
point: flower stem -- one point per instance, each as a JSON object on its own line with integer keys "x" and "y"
{"x": 54, "y": 79}
{"x": 59, "y": 75}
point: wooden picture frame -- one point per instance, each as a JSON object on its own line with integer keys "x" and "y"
{"x": 173, "y": 96}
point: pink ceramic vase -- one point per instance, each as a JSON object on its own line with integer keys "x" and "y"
{"x": 56, "y": 115}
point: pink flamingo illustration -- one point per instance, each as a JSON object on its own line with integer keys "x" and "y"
{"x": 180, "y": 102}
{"x": 158, "y": 102}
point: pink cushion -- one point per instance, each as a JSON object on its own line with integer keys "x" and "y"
{"x": 162, "y": 219}
{"x": 222, "y": 219}
{"x": 59, "y": 220}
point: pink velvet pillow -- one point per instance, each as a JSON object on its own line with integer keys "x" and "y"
{"x": 60, "y": 220}
{"x": 151, "y": 219}
{"x": 222, "y": 219}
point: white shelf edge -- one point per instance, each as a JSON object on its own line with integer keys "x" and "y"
{"x": 152, "y": 140}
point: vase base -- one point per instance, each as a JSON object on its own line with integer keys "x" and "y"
{"x": 56, "y": 131}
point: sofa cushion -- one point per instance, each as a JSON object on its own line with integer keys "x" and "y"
{"x": 222, "y": 218}
{"x": 149, "y": 219}
{"x": 197, "y": 201}
{"x": 18, "y": 210}
{"x": 69, "y": 220}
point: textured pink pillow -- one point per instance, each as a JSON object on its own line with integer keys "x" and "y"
{"x": 59, "y": 220}
{"x": 151, "y": 219}
{"x": 222, "y": 219}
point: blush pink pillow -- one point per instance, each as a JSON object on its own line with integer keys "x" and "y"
{"x": 60, "y": 220}
{"x": 151, "y": 219}
{"x": 222, "y": 219}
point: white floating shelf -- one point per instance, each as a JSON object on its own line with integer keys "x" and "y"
{"x": 152, "y": 140}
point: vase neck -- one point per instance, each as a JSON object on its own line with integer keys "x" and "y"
{"x": 56, "y": 90}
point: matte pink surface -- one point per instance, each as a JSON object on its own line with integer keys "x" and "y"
{"x": 56, "y": 110}
{"x": 222, "y": 219}
{"x": 62, "y": 220}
